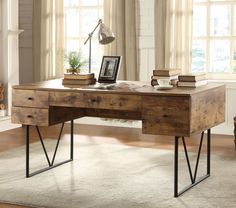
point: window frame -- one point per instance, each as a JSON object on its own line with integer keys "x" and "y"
{"x": 208, "y": 37}
{"x": 81, "y": 37}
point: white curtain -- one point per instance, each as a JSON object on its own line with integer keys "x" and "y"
{"x": 173, "y": 33}
{"x": 120, "y": 16}
{"x": 48, "y": 39}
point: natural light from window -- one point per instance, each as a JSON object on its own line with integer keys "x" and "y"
{"x": 214, "y": 38}
{"x": 81, "y": 16}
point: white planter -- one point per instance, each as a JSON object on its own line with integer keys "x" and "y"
{"x": 3, "y": 113}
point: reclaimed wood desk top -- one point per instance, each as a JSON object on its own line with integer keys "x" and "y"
{"x": 178, "y": 112}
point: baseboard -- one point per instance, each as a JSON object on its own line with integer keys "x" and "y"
{"x": 5, "y": 124}
{"x": 223, "y": 129}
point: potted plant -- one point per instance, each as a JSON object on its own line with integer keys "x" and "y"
{"x": 75, "y": 62}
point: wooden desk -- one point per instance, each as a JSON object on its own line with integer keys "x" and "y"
{"x": 179, "y": 112}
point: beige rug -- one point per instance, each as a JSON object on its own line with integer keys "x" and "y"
{"x": 113, "y": 176}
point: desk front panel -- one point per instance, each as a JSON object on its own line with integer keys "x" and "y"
{"x": 96, "y": 100}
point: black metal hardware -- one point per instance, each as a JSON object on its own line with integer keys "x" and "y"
{"x": 50, "y": 163}
{"x": 235, "y": 132}
{"x": 193, "y": 177}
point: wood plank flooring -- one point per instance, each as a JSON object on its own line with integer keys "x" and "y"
{"x": 221, "y": 144}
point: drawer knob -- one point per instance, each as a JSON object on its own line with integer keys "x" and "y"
{"x": 30, "y": 98}
{"x": 29, "y": 116}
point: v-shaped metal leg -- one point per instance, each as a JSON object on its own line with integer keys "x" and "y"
{"x": 50, "y": 163}
{"x": 193, "y": 177}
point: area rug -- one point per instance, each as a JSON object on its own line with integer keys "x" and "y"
{"x": 113, "y": 176}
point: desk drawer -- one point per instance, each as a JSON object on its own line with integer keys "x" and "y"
{"x": 30, "y": 116}
{"x": 30, "y": 98}
{"x": 94, "y": 100}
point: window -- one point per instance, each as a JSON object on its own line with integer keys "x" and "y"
{"x": 81, "y": 16}
{"x": 214, "y": 38}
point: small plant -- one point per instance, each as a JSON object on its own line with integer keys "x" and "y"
{"x": 75, "y": 62}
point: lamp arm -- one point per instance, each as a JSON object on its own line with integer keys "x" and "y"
{"x": 91, "y": 34}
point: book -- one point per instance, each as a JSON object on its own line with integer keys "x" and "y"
{"x": 192, "y": 77}
{"x": 80, "y": 76}
{"x": 166, "y": 72}
{"x": 165, "y": 77}
{"x": 192, "y": 84}
{"x": 78, "y": 81}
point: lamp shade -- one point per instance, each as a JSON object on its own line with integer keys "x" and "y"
{"x": 105, "y": 35}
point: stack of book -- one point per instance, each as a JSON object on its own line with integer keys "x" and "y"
{"x": 171, "y": 74}
{"x": 78, "y": 79}
{"x": 2, "y": 106}
{"x": 192, "y": 80}
{"x": 1, "y": 91}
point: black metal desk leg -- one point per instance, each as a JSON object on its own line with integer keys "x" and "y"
{"x": 176, "y": 167}
{"x": 193, "y": 175}
{"x": 27, "y": 149}
{"x": 209, "y": 152}
{"x": 235, "y": 132}
{"x": 50, "y": 163}
{"x": 72, "y": 140}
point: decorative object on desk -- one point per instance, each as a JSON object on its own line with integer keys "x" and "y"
{"x": 167, "y": 87}
{"x": 166, "y": 73}
{"x": 109, "y": 69}
{"x": 192, "y": 80}
{"x": 75, "y": 62}
{"x": 105, "y": 36}
{"x": 73, "y": 75}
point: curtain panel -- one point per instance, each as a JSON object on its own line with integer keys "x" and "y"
{"x": 173, "y": 34}
{"x": 120, "y": 16}
{"x": 48, "y": 39}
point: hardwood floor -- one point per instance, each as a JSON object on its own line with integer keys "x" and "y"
{"x": 221, "y": 144}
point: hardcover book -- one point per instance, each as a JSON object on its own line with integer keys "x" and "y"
{"x": 166, "y": 72}
{"x": 165, "y": 77}
{"x": 192, "y": 77}
{"x": 192, "y": 84}
{"x": 78, "y": 81}
{"x": 79, "y": 76}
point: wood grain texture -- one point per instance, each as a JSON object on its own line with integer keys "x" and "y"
{"x": 30, "y": 98}
{"x": 30, "y": 116}
{"x": 95, "y": 100}
{"x": 166, "y": 115}
{"x": 117, "y": 114}
{"x": 63, "y": 114}
{"x": 176, "y": 112}
{"x": 207, "y": 109}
